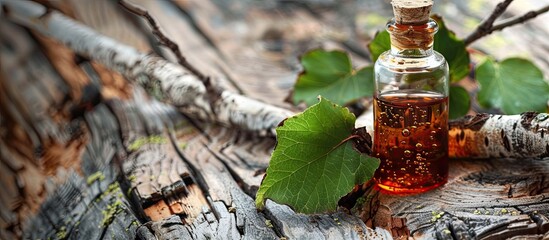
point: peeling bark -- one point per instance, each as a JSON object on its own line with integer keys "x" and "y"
{"x": 500, "y": 136}
{"x": 177, "y": 86}
{"x": 168, "y": 82}
{"x": 227, "y": 164}
{"x": 492, "y": 136}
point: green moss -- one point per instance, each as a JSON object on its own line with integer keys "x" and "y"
{"x": 153, "y": 139}
{"x": 113, "y": 187}
{"x": 132, "y": 178}
{"x": 62, "y": 233}
{"x": 110, "y": 213}
{"x": 113, "y": 208}
{"x": 269, "y": 223}
{"x": 129, "y": 192}
{"x": 97, "y": 176}
{"x": 436, "y": 215}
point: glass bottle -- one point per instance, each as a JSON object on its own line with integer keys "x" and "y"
{"x": 411, "y": 111}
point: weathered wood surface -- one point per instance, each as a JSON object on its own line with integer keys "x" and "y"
{"x": 85, "y": 154}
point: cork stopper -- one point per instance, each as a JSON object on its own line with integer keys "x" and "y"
{"x": 412, "y": 12}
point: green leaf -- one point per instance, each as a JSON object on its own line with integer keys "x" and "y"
{"x": 446, "y": 43}
{"x": 453, "y": 49}
{"x": 459, "y": 102}
{"x": 380, "y": 44}
{"x": 514, "y": 85}
{"x": 330, "y": 74}
{"x": 313, "y": 165}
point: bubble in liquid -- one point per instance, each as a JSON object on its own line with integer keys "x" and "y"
{"x": 405, "y": 132}
{"x": 407, "y": 153}
{"x": 402, "y": 142}
{"x": 419, "y": 146}
{"x": 434, "y": 145}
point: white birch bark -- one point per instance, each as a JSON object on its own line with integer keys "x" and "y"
{"x": 366, "y": 119}
{"x": 480, "y": 137}
{"x": 491, "y": 136}
{"x": 500, "y": 136}
{"x": 169, "y": 82}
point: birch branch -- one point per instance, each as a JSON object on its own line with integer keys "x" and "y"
{"x": 520, "y": 19}
{"x": 484, "y": 27}
{"x": 500, "y": 136}
{"x": 482, "y": 136}
{"x": 491, "y": 136}
{"x": 161, "y": 37}
{"x": 168, "y": 82}
{"x": 487, "y": 26}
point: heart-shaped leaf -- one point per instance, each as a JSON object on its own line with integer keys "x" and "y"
{"x": 513, "y": 85}
{"x": 314, "y": 164}
{"x": 330, "y": 74}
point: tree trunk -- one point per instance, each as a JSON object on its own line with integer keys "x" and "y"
{"x": 86, "y": 154}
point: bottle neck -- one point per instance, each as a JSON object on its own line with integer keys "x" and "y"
{"x": 412, "y": 41}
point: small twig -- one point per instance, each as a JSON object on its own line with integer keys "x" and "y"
{"x": 487, "y": 26}
{"x": 520, "y": 19}
{"x": 484, "y": 28}
{"x": 137, "y": 10}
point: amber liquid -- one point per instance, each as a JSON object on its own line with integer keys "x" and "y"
{"x": 411, "y": 140}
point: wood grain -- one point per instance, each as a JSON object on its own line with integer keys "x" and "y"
{"x": 491, "y": 199}
{"x": 85, "y": 205}
{"x": 131, "y": 167}
{"x": 161, "y": 183}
